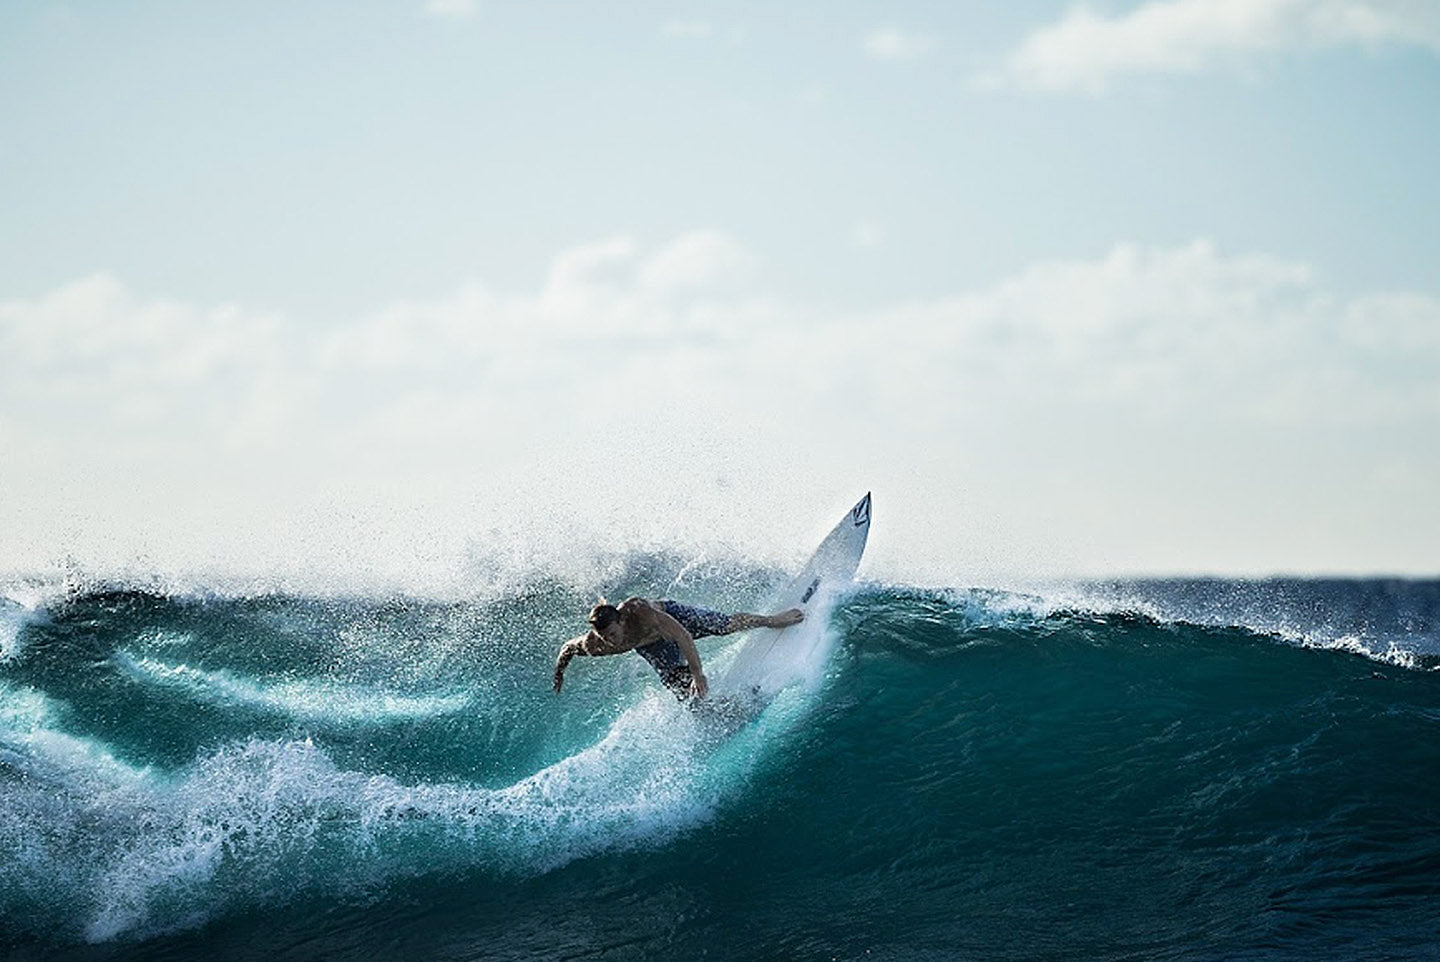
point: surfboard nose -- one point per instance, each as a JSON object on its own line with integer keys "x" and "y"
{"x": 860, "y": 514}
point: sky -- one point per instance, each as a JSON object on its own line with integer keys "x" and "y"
{"x": 406, "y": 292}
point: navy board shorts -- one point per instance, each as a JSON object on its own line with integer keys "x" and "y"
{"x": 666, "y": 657}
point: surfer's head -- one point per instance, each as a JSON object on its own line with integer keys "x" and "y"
{"x": 605, "y": 620}
{"x": 603, "y": 615}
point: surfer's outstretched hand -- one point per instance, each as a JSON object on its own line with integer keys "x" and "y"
{"x": 787, "y": 618}
{"x": 700, "y": 685}
{"x": 567, "y": 651}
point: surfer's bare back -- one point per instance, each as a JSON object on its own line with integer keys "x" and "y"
{"x": 663, "y": 633}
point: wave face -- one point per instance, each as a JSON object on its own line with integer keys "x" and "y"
{"x": 1152, "y": 770}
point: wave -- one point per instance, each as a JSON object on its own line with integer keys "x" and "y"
{"x": 1070, "y": 767}
{"x": 21, "y": 604}
{"x": 314, "y": 702}
{"x": 263, "y": 822}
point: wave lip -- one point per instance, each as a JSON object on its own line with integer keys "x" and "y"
{"x": 1392, "y": 621}
{"x": 20, "y": 605}
{"x": 1392, "y": 654}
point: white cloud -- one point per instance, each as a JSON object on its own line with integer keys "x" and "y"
{"x": 91, "y": 349}
{"x": 451, "y": 9}
{"x": 688, "y": 29}
{"x": 696, "y": 262}
{"x": 813, "y": 94}
{"x": 1087, "y": 50}
{"x": 635, "y": 375}
{"x": 1174, "y": 327}
{"x": 867, "y": 235}
{"x": 591, "y": 264}
{"x": 893, "y": 44}
{"x": 703, "y": 30}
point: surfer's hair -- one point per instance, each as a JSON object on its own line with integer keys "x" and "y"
{"x": 603, "y": 615}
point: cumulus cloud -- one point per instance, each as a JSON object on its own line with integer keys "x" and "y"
{"x": 893, "y": 44}
{"x": 451, "y": 9}
{"x": 694, "y": 262}
{"x": 1087, "y": 50}
{"x": 1187, "y": 329}
{"x": 867, "y": 234}
{"x": 94, "y": 351}
{"x": 1187, "y": 326}
{"x": 636, "y": 374}
{"x": 688, "y": 29}
{"x": 698, "y": 30}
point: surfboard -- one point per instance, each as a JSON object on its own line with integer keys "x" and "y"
{"x": 771, "y": 659}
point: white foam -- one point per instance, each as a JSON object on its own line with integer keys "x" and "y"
{"x": 314, "y": 702}
{"x": 161, "y": 638}
{"x": 1392, "y": 654}
{"x": 21, "y": 604}
{"x": 29, "y": 730}
{"x": 1067, "y": 597}
{"x": 23, "y": 710}
{"x": 260, "y": 821}
{"x": 257, "y": 817}
{"x": 131, "y": 852}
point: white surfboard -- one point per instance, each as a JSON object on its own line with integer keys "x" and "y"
{"x": 771, "y": 659}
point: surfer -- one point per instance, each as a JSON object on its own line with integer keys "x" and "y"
{"x": 663, "y": 633}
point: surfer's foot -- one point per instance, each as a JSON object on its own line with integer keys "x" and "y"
{"x": 744, "y": 621}
{"x": 785, "y": 619}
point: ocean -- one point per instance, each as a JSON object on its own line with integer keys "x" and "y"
{"x": 1179, "y": 769}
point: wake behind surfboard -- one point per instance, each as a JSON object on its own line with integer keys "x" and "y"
{"x": 772, "y": 659}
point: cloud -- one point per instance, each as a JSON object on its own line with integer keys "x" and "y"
{"x": 702, "y": 30}
{"x": 813, "y": 94}
{"x": 598, "y": 300}
{"x": 635, "y": 374}
{"x": 1166, "y": 330}
{"x": 1086, "y": 50}
{"x": 867, "y": 235}
{"x": 697, "y": 261}
{"x": 451, "y": 9}
{"x": 688, "y": 29}
{"x": 892, "y": 44}
{"x": 1187, "y": 327}
{"x": 91, "y": 349}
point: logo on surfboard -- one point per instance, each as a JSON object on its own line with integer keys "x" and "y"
{"x": 861, "y": 514}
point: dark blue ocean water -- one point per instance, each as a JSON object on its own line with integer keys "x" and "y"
{"x": 1142, "y": 770}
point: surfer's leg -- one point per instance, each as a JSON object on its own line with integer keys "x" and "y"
{"x": 700, "y": 622}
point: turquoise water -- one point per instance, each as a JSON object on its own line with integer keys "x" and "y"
{"x": 1147, "y": 770}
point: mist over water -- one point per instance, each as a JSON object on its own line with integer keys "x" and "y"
{"x": 1198, "y": 769}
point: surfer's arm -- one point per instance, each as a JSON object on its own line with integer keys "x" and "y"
{"x": 571, "y": 648}
{"x": 674, "y": 631}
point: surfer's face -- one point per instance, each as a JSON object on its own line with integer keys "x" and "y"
{"x": 599, "y": 642}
